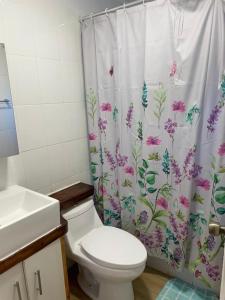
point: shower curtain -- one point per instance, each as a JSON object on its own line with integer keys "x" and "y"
{"x": 155, "y": 93}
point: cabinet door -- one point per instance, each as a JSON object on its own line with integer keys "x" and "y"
{"x": 12, "y": 284}
{"x": 44, "y": 274}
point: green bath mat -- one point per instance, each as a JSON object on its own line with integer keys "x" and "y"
{"x": 176, "y": 289}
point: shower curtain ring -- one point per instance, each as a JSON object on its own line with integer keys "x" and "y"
{"x": 106, "y": 12}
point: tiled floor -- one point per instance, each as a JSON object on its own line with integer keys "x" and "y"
{"x": 146, "y": 287}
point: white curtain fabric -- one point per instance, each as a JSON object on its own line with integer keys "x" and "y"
{"x": 155, "y": 101}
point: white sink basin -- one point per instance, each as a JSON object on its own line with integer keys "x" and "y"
{"x": 24, "y": 216}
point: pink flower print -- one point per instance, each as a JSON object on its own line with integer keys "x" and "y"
{"x": 173, "y": 69}
{"x": 129, "y": 170}
{"x": 178, "y": 106}
{"x": 153, "y": 141}
{"x": 203, "y": 183}
{"x": 92, "y": 136}
{"x": 198, "y": 273}
{"x": 162, "y": 202}
{"x": 111, "y": 71}
{"x": 106, "y": 106}
{"x": 102, "y": 190}
{"x": 184, "y": 201}
{"x": 221, "y": 150}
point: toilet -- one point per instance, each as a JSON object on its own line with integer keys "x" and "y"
{"x": 109, "y": 258}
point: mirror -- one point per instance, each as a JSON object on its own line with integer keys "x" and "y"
{"x": 8, "y": 137}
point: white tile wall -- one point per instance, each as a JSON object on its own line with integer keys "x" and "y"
{"x": 42, "y": 39}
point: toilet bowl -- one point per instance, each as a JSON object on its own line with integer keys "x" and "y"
{"x": 109, "y": 258}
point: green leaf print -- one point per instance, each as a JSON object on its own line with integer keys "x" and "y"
{"x": 151, "y": 179}
{"x": 145, "y": 96}
{"x": 166, "y": 191}
{"x": 220, "y": 198}
{"x": 91, "y": 103}
{"x": 198, "y": 198}
{"x": 141, "y": 184}
{"x": 115, "y": 114}
{"x": 140, "y": 131}
{"x": 166, "y": 163}
{"x": 152, "y": 190}
{"x": 159, "y": 96}
{"x": 221, "y": 210}
{"x": 145, "y": 163}
{"x": 194, "y": 110}
{"x": 160, "y": 213}
{"x": 147, "y": 203}
{"x": 127, "y": 183}
{"x": 154, "y": 156}
{"x": 220, "y": 189}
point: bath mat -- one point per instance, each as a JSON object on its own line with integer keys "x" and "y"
{"x": 176, "y": 289}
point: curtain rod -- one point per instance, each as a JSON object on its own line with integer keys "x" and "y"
{"x": 106, "y": 11}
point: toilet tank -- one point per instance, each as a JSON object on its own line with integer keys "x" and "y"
{"x": 81, "y": 219}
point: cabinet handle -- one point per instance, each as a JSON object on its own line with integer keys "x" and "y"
{"x": 17, "y": 286}
{"x": 38, "y": 274}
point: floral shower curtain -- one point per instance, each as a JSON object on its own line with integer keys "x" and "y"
{"x": 155, "y": 94}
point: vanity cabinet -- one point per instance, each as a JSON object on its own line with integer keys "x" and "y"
{"x": 44, "y": 274}
{"x": 39, "y": 277}
{"x": 12, "y": 284}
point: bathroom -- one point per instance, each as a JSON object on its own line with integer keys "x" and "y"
{"x": 112, "y": 149}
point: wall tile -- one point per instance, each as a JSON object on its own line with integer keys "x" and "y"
{"x": 30, "y": 127}
{"x": 24, "y": 80}
{"x": 50, "y": 78}
{"x": 43, "y": 46}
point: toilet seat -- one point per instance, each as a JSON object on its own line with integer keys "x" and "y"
{"x": 114, "y": 248}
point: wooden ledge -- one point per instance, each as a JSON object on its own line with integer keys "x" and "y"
{"x": 30, "y": 249}
{"x": 73, "y": 194}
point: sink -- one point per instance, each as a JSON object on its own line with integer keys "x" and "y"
{"x": 25, "y": 215}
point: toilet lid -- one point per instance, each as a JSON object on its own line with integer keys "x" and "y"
{"x": 114, "y": 248}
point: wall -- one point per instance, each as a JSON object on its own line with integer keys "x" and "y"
{"x": 42, "y": 39}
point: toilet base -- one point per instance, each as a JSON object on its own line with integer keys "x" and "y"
{"x": 103, "y": 290}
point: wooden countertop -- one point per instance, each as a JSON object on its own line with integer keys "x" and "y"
{"x": 73, "y": 194}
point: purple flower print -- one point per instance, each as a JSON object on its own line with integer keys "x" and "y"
{"x": 153, "y": 141}
{"x": 115, "y": 204}
{"x": 203, "y": 183}
{"x": 184, "y": 201}
{"x": 173, "y": 69}
{"x": 146, "y": 240}
{"x": 213, "y": 118}
{"x": 102, "y": 125}
{"x": 178, "y": 106}
{"x": 92, "y": 136}
{"x": 111, "y": 71}
{"x": 213, "y": 271}
{"x": 221, "y": 150}
{"x": 162, "y": 203}
{"x": 110, "y": 159}
{"x": 143, "y": 218}
{"x": 210, "y": 242}
{"x": 190, "y": 155}
{"x": 173, "y": 223}
{"x": 129, "y": 115}
{"x": 178, "y": 255}
{"x": 129, "y": 170}
{"x": 176, "y": 171}
{"x": 158, "y": 237}
{"x": 106, "y": 107}
{"x": 194, "y": 171}
{"x": 170, "y": 127}
{"x": 183, "y": 229}
{"x": 121, "y": 159}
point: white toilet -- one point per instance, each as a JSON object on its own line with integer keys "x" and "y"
{"x": 108, "y": 258}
